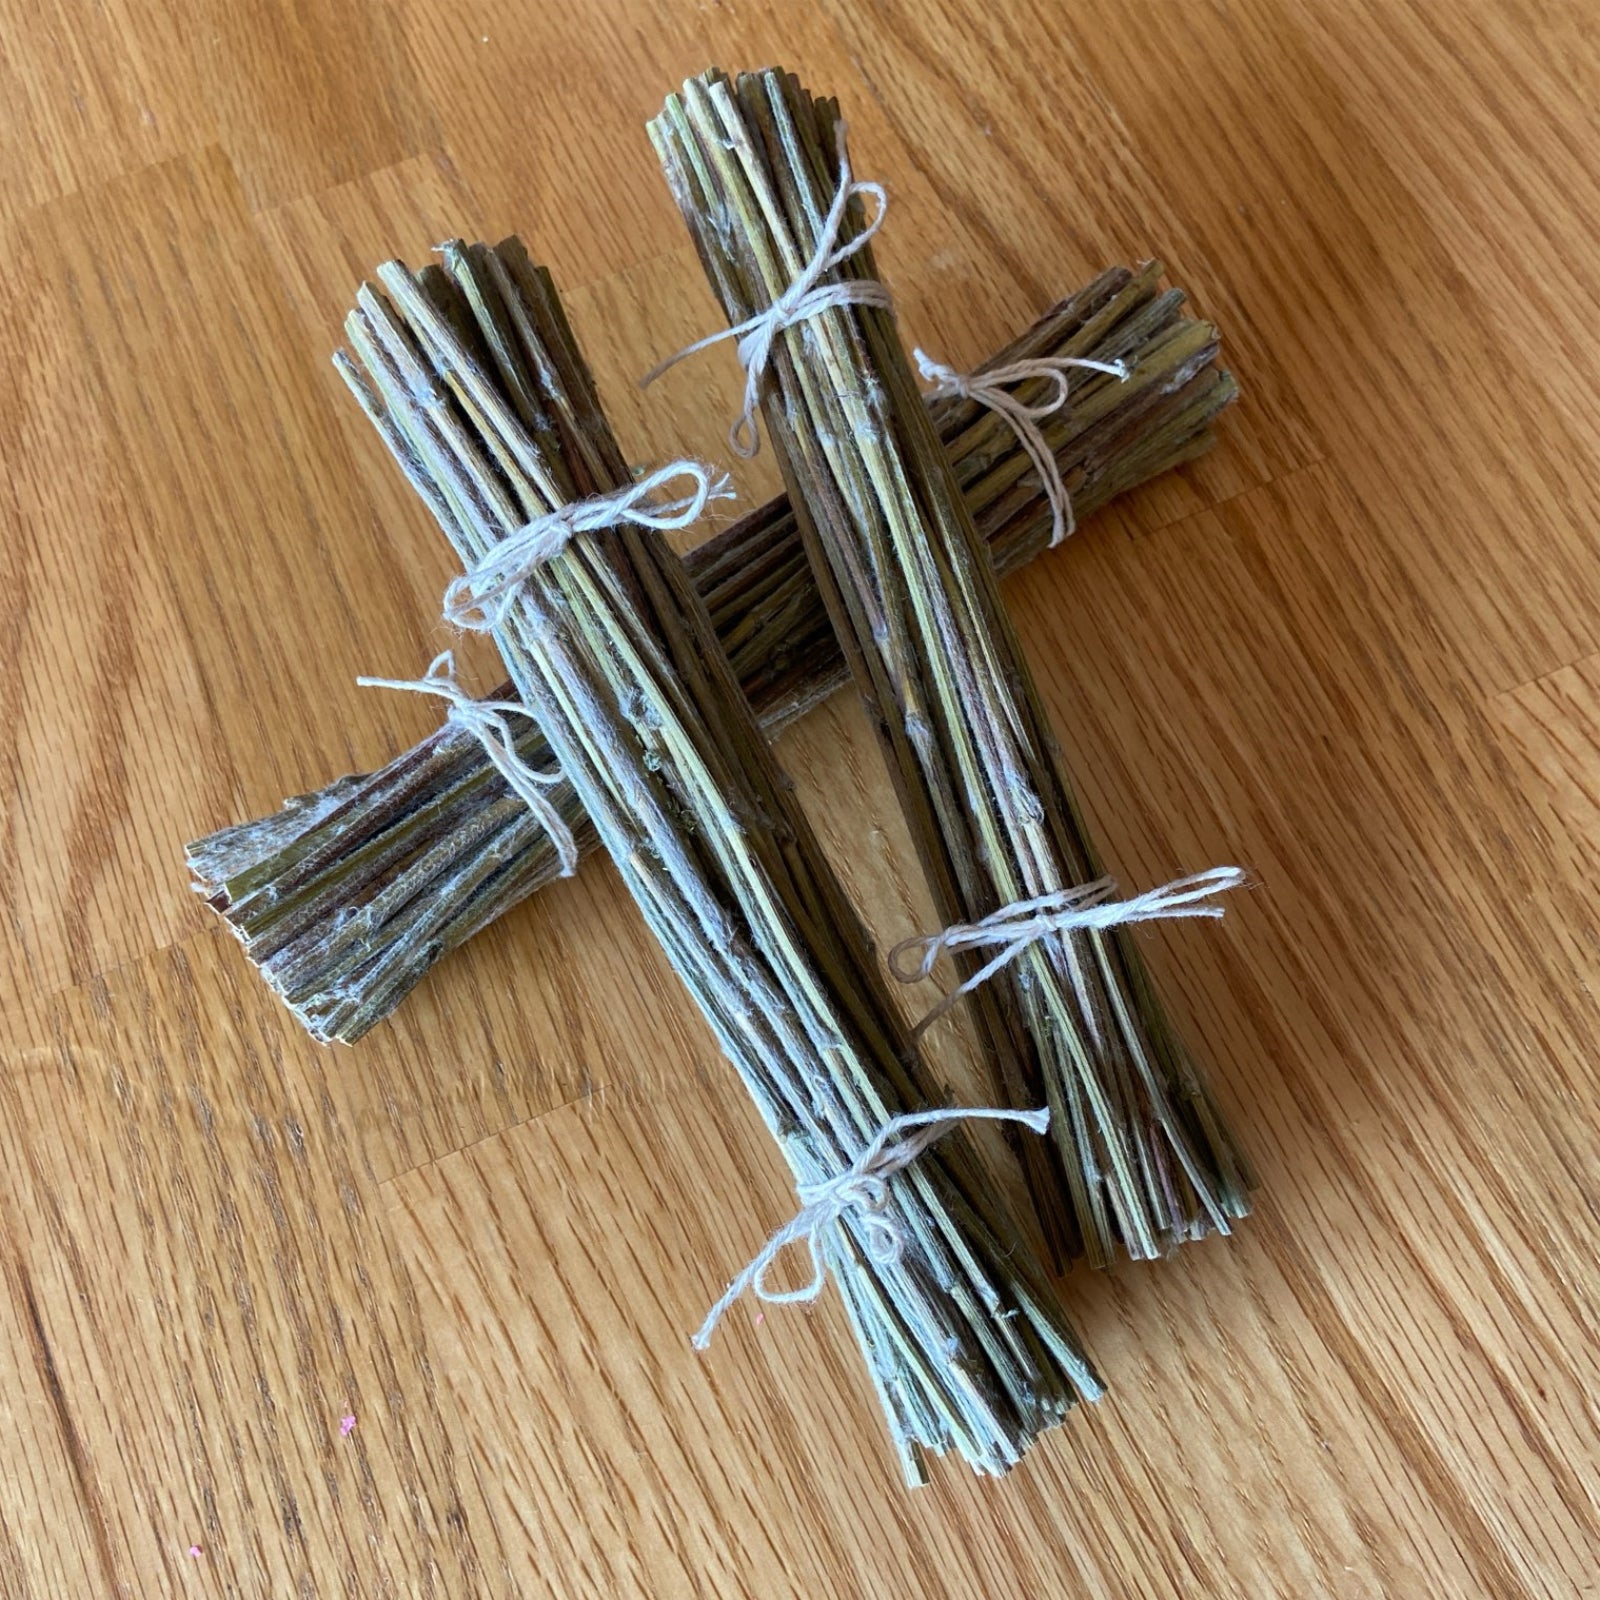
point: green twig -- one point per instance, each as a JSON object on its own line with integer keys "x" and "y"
{"x": 348, "y": 896}
{"x": 617, "y": 656}
{"x": 1140, "y": 1153}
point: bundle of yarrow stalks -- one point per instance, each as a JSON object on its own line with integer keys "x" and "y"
{"x": 349, "y": 895}
{"x": 1139, "y": 1154}
{"x": 473, "y": 378}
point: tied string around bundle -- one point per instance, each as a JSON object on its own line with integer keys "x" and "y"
{"x": 485, "y": 720}
{"x": 804, "y": 298}
{"x": 987, "y": 388}
{"x": 863, "y": 1189}
{"x": 1014, "y": 928}
{"x": 481, "y": 599}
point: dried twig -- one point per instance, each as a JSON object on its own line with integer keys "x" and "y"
{"x": 1141, "y": 1155}
{"x": 472, "y": 376}
{"x": 349, "y": 895}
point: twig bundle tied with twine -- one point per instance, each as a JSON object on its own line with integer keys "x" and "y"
{"x": 349, "y": 895}
{"x": 473, "y": 378}
{"x": 1140, "y": 1153}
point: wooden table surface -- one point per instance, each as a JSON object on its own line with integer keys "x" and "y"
{"x": 1357, "y": 650}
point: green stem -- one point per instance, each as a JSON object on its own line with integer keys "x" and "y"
{"x": 614, "y": 651}
{"x": 348, "y": 896}
{"x": 1141, "y": 1157}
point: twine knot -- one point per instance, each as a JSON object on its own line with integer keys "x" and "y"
{"x": 486, "y": 721}
{"x": 986, "y": 388}
{"x": 804, "y": 298}
{"x": 1013, "y": 928}
{"x": 482, "y": 598}
{"x": 862, "y": 1188}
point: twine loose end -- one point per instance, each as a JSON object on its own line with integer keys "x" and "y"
{"x": 863, "y": 1187}
{"x": 804, "y": 298}
{"x": 485, "y": 721}
{"x": 987, "y": 388}
{"x": 481, "y": 600}
{"x": 1013, "y": 928}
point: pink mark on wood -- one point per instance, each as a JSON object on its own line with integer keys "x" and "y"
{"x": 346, "y": 1423}
{"x": 195, "y": 1551}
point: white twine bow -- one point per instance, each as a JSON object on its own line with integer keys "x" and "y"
{"x": 864, "y": 1188}
{"x": 804, "y": 298}
{"x": 486, "y": 721}
{"x": 1017, "y": 926}
{"x": 482, "y": 599}
{"x": 987, "y": 389}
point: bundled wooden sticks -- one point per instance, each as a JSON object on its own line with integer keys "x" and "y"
{"x": 1141, "y": 1157}
{"x": 348, "y": 896}
{"x": 472, "y": 377}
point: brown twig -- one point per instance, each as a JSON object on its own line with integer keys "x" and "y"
{"x": 478, "y": 388}
{"x": 348, "y": 896}
{"x": 1141, "y": 1156}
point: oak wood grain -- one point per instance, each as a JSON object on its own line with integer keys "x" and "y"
{"x": 1354, "y": 649}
